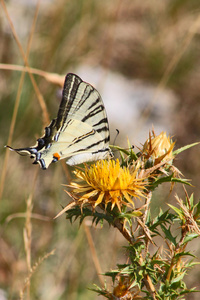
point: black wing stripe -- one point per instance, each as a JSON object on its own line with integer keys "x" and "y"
{"x": 81, "y": 138}
{"x": 105, "y": 128}
{"x": 101, "y": 150}
{"x": 94, "y": 144}
{"x": 86, "y": 94}
{"x": 69, "y": 93}
{"x": 104, "y": 120}
{"x": 94, "y": 103}
{"x": 94, "y": 112}
{"x": 85, "y": 136}
{"x": 64, "y": 127}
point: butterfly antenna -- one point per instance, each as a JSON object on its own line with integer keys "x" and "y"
{"x": 116, "y": 136}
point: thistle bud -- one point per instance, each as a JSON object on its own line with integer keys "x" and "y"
{"x": 158, "y": 148}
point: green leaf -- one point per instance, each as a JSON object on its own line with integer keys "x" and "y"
{"x": 191, "y": 200}
{"x": 181, "y": 254}
{"x": 120, "y": 149}
{"x": 181, "y": 180}
{"x": 177, "y": 210}
{"x": 178, "y": 278}
{"x": 112, "y": 274}
{"x": 189, "y": 291}
{"x": 189, "y": 237}
{"x": 197, "y": 213}
{"x": 124, "y": 269}
{"x": 100, "y": 291}
{"x": 169, "y": 178}
{"x": 129, "y": 152}
{"x": 176, "y": 152}
{"x": 159, "y": 262}
{"x": 168, "y": 234}
{"x": 134, "y": 213}
{"x": 76, "y": 212}
{"x": 162, "y": 218}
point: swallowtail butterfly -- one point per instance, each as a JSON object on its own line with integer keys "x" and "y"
{"x": 80, "y": 132}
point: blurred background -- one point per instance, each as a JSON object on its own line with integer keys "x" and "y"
{"x": 144, "y": 59}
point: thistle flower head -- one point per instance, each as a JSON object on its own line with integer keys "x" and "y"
{"x": 106, "y": 182}
{"x": 125, "y": 289}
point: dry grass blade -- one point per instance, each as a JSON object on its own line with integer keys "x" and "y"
{"x": 27, "y": 232}
{"x": 192, "y": 224}
{"x": 3, "y": 175}
{"x": 39, "y": 95}
{"x": 23, "y": 215}
{"x": 66, "y": 208}
{"x": 50, "y": 77}
{"x": 94, "y": 254}
{"x": 33, "y": 270}
{"x": 4, "y": 168}
{"x": 66, "y": 171}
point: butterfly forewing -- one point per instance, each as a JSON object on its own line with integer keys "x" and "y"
{"x": 82, "y": 102}
{"x": 80, "y": 130}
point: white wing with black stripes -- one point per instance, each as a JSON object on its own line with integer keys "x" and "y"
{"x": 80, "y": 132}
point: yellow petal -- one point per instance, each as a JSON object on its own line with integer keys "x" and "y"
{"x": 91, "y": 194}
{"x": 99, "y": 200}
{"x": 128, "y": 198}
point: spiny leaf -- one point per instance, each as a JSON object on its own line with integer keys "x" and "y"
{"x": 169, "y": 178}
{"x": 162, "y": 218}
{"x": 197, "y": 213}
{"x": 129, "y": 152}
{"x": 77, "y": 212}
{"x": 178, "y": 278}
{"x": 189, "y": 237}
{"x": 180, "y": 254}
{"x": 191, "y": 200}
{"x": 177, "y": 210}
{"x": 176, "y": 152}
{"x": 168, "y": 234}
{"x": 120, "y": 149}
{"x": 100, "y": 291}
{"x": 134, "y": 213}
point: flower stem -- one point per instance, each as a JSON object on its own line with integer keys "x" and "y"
{"x": 147, "y": 280}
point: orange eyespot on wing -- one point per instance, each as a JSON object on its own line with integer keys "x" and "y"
{"x": 56, "y": 156}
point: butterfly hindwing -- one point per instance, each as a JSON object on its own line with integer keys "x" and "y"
{"x": 70, "y": 144}
{"x": 80, "y": 131}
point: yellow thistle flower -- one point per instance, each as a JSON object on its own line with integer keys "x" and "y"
{"x": 107, "y": 182}
{"x": 123, "y": 290}
{"x": 159, "y": 148}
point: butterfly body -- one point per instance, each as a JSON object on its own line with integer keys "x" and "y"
{"x": 80, "y": 132}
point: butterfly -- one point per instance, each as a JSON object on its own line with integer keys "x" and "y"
{"x": 80, "y": 132}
